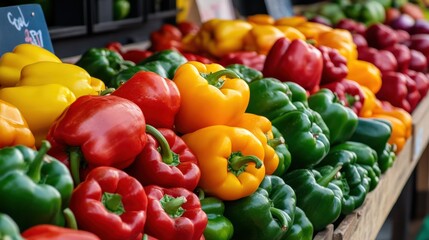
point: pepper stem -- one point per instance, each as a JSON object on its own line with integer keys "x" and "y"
{"x": 36, "y": 165}
{"x": 281, "y": 217}
{"x": 107, "y": 91}
{"x": 201, "y": 193}
{"x": 113, "y": 203}
{"x": 168, "y": 157}
{"x": 351, "y": 100}
{"x": 173, "y": 206}
{"x": 75, "y": 157}
{"x": 237, "y": 162}
{"x": 276, "y": 142}
{"x": 325, "y": 180}
{"x": 214, "y": 79}
{"x": 70, "y": 219}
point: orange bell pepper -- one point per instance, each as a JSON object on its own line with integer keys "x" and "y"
{"x": 261, "y": 38}
{"x": 13, "y": 127}
{"x": 262, "y": 19}
{"x": 369, "y": 103}
{"x": 229, "y": 160}
{"x": 210, "y": 95}
{"x": 261, "y": 127}
{"x": 341, "y": 40}
{"x": 365, "y": 73}
{"x": 290, "y": 21}
{"x": 291, "y": 33}
{"x": 384, "y": 107}
{"x": 312, "y": 30}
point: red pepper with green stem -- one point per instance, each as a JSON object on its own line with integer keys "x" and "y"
{"x": 349, "y": 93}
{"x": 250, "y": 59}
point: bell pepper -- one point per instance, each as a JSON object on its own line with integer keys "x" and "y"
{"x": 341, "y": 40}
{"x": 231, "y": 170}
{"x": 298, "y": 93}
{"x": 157, "y": 97}
{"x": 88, "y": 132}
{"x": 250, "y": 59}
{"x": 8, "y": 228}
{"x": 370, "y": 12}
{"x": 316, "y": 195}
{"x": 349, "y": 93}
{"x": 136, "y": 55}
{"x": 266, "y": 214}
{"x": 307, "y": 140}
{"x": 126, "y": 74}
{"x": 103, "y": 63}
{"x": 219, "y": 91}
{"x": 196, "y": 57}
{"x": 121, "y": 9}
{"x": 365, "y": 73}
{"x": 261, "y": 19}
{"x": 381, "y": 36}
{"x": 403, "y": 56}
{"x": 340, "y": 120}
{"x": 188, "y": 27}
{"x": 334, "y": 65}
{"x": 166, "y": 37}
{"x": 421, "y": 80}
{"x": 14, "y": 127}
{"x": 170, "y": 60}
{"x": 294, "y": 61}
{"x": 279, "y": 144}
{"x": 35, "y": 187}
{"x": 269, "y": 98}
{"x": 290, "y": 21}
{"x": 420, "y": 42}
{"x": 387, "y": 157}
{"x": 166, "y": 154}
{"x": 52, "y": 232}
{"x": 39, "y": 105}
{"x": 174, "y": 213}
{"x": 110, "y": 199}
{"x": 369, "y": 103}
{"x": 373, "y": 132}
{"x": 218, "y": 226}
{"x": 331, "y": 11}
{"x": 71, "y": 76}
{"x": 291, "y": 33}
{"x": 301, "y": 228}
{"x": 351, "y": 25}
{"x": 418, "y": 61}
{"x": 23, "y": 54}
{"x": 261, "y": 38}
{"x": 312, "y": 30}
{"x": 246, "y": 73}
{"x": 384, "y": 60}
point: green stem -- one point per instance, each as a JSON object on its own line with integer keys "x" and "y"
{"x": 276, "y": 142}
{"x": 237, "y": 162}
{"x": 113, "y": 202}
{"x": 173, "y": 206}
{"x": 351, "y": 100}
{"x": 325, "y": 180}
{"x": 166, "y": 154}
{"x": 214, "y": 79}
{"x": 281, "y": 217}
{"x": 201, "y": 194}
{"x": 107, "y": 91}
{"x": 36, "y": 165}
{"x": 70, "y": 219}
{"x": 74, "y": 158}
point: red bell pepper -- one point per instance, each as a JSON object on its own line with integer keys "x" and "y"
{"x": 157, "y": 97}
{"x": 381, "y": 36}
{"x": 110, "y": 204}
{"x": 167, "y": 37}
{"x": 136, "y": 55}
{"x": 174, "y": 213}
{"x": 420, "y": 42}
{"x": 421, "y": 80}
{"x": 102, "y": 130}
{"x": 167, "y": 155}
{"x": 251, "y": 59}
{"x": 334, "y": 65}
{"x": 382, "y": 59}
{"x": 114, "y": 46}
{"x": 187, "y": 27}
{"x": 294, "y": 61}
{"x": 418, "y": 61}
{"x": 51, "y": 232}
{"x": 351, "y": 25}
{"x": 196, "y": 57}
{"x": 403, "y": 56}
{"x": 359, "y": 40}
{"x": 349, "y": 93}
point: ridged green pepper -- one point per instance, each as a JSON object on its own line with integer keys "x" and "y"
{"x": 170, "y": 60}
{"x": 387, "y": 157}
{"x": 298, "y": 93}
{"x": 302, "y": 229}
{"x": 279, "y": 145}
{"x": 126, "y": 74}
{"x": 246, "y": 73}
{"x": 368, "y": 12}
{"x": 266, "y": 214}
{"x": 8, "y": 228}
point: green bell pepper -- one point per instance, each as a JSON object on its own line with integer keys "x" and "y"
{"x": 298, "y": 93}
{"x": 103, "y": 63}
{"x": 170, "y": 60}
{"x": 387, "y": 157}
{"x": 8, "y": 228}
{"x": 341, "y": 120}
{"x": 246, "y": 73}
{"x": 35, "y": 187}
{"x": 218, "y": 226}
{"x": 332, "y": 11}
{"x": 372, "y": 12}
{"x": 269, "y": 97}
{"x": 279, "y": 145}
{"x": 316, "y": 195}
{"x": 302, "y": 229}
{"x": 372, "y": 132}
{"x": 121, "y": 9}
{"x": 266, "y": 214}
{"x": 126, "y": 74}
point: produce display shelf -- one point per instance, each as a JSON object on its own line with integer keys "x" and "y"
{"x": 162, "y": 14}
{"x": 68, "y": 31}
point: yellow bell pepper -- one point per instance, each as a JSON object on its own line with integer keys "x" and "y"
{"x": 229, "y": 159}
{"x": 210, "y": 95}
{"x": 71, "y": 76}
{"x": 291, "y": 33}
{"x": 40, "y": 105}
{"x": 369, "y": 103}
{"x": 341, "y": 40}
{"x": 365, "y": 73}
{"x": 312, "y": 30}
{"x": 290, "y": 21}
{"x": 261, "y": 127}
{"x": 11, "y": 63}
{"x": 13, "y": 127}
{"x": 261, "y": 38}
{"x": 261, "y": 19}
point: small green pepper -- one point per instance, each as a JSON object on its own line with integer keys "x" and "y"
{"x": 170, "y": 60}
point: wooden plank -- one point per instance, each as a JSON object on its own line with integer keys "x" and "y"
{"x": 420, "y": 129}
{"x": 327, "y": 234}
{"x": 348, "y": 226}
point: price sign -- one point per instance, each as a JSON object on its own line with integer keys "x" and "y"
{"x": 209, "y": 9}
{"x": 23, "y": 24}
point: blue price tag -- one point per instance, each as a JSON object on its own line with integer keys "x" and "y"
{"x": 23, "y": 24}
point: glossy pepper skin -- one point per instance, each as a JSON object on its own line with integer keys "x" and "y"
{"x": 166, "y": 154}
{"x": 349, "y": 93}
{"x": 372, "y": 132}
{"x": 381, "y": 36}
{"x": 45, "y": 231}
{"x": 14, "y": 127}
{"x": 110, "y": 199}
{"x": 35, "y": 187}
{"x": 301, "y": 229}
{"x": 169, "y": 60}
{"x": 250, "y": 59}
{"x": 231, "y": 170}
{"x": 421, "y": 80}
{"x": 266, "y": 214}
{"x": 403, "y": 56}
{"x": 384, "y": 60}
{"x": 210, "y": 95}
{"x": 166, "y": 37}
{"x": 246, "y": 73}
{"x": 103, "y": 63}
{"x": 157, "y": 97}
{"x": 174, "y": 213}
{"x": 8, "y": 228}
{"x": 334, "y": 65}
{"x": 365, "y": 73}
{"x": 340, "y": 120}
{"x": 341, "y": 40}
{"x": 261, "y": 38}
{"x": 93, "y": 128}
{"x": 294, "y": 61}
{"x": 279, "y": 144}
{"x": 316, "y": 195}
{"x": 128, "y": 73}
{"x": 218, "y": 226}
{"x": 24, "y": 54}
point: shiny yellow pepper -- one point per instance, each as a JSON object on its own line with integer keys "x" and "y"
{"x": 365, "y": 73}
{"x": 312, "y": 30}
{"x": 229, "y": 159}
{"x": 291, "y": 21}
{"x": 262, "y": 19}
{"x": 261, "y": 38}
{"x": 13, "y": 127}
{"x": 291, "y": 33}
{"x": 210, "y": 95}
{"x": 341, "y": 40}
{"x": 40, "y": 105}
{"x": 11, "y": 63}
{"x": 71, "y": 76}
